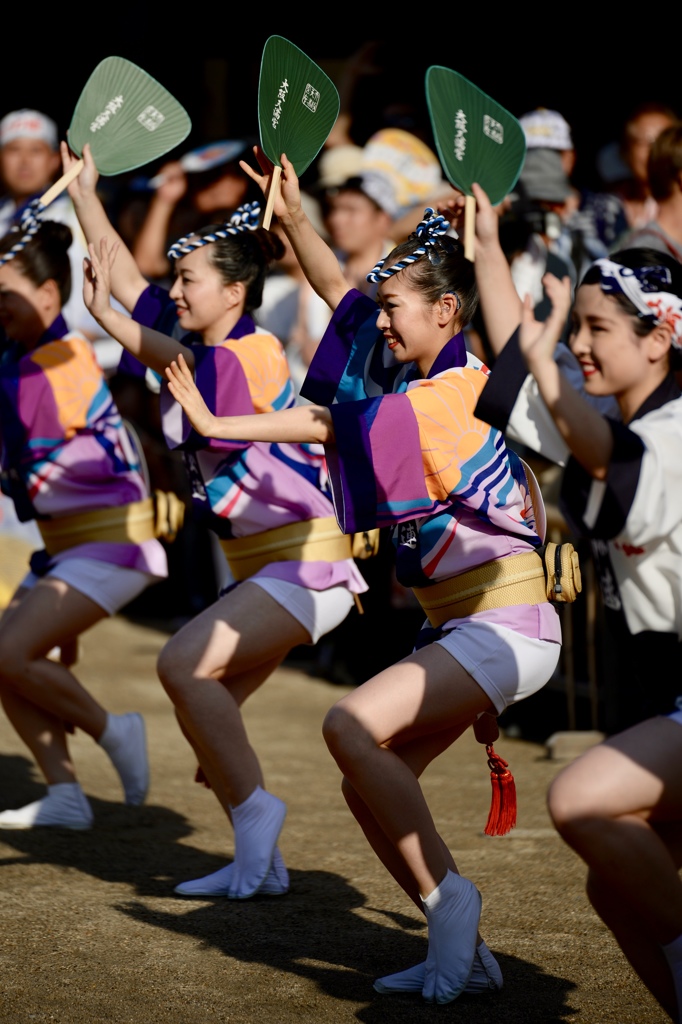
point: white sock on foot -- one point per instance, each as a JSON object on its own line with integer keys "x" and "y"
{"x": 452, "y": 910}
{"x": 486, "y": 976}
{"x": 257, "y": 823}
{"x": 125, "y": 742}
{"x": 218, "y": 884}
{"x": 673, "y": 954}
{"x": 64, "y": 806}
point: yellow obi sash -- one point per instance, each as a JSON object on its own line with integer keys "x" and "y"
{"x": 315, "y": 540}
{"x": 161, "y": 516}
{"x": 517, "y": 579}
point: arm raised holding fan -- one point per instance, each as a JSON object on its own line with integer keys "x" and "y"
{"x": 127, "y": 281}
{"x": 318, "y": 262}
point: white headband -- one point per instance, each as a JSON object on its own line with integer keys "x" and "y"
{"x": 645, "y": 288}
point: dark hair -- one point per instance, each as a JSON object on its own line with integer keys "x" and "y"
{"x": 636, "y": 258}
{"x": 244, "y": 257}
{"x": 665, "y": 161}
{"x": 443, "y": 269}
{"x": 45, "y": 257}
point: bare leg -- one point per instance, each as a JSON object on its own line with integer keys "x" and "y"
{"x": 50, "y": 613}
{"x": 209, "y": 669}
{"x": 426, "y": 695}
{"x": 620, "y": 806}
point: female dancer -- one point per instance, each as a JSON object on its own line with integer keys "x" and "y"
{"x": 268, "y": 504}
{"x": 620, "y": 804}
{"x": 396, "y": 393}
{"x": 67, "y": 462}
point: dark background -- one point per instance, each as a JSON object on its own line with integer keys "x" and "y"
{"x": 209, "y": 56}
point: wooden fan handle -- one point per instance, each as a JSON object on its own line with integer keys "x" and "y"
{"x": 61, "y": 183}
{"x": 469, "y": 227}
{"x": 272, "y": 194}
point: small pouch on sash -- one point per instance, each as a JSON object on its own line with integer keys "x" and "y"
{"x": 365, "y": 545}
{"x": 562, "y": 572}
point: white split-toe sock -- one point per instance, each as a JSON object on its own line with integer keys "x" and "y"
{"x": 218, "y": 884}
{"x": 257, "y": 823}
{"x": 453, "y": 911}
{"x": 125, "y": 742}
{"x": 486, "y": 976}
{"x": 64, "y": 806}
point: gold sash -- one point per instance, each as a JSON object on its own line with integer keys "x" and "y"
{"x": 161, "y": 516}
{"x": 518, "y": 579}
{"x": 315, "y": 540}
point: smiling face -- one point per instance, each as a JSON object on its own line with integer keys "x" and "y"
{"x": 614, "y": 359}
{"x": 25, "y": 309}
{"x": 202, "y": 299}
{"x": 415, "y": 330}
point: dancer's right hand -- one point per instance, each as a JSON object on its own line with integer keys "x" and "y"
{"x": 183, "y": 389}
{"x": 288, "y": 198}
{"x": 85, "y": 184}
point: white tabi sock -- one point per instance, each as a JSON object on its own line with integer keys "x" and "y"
{"x": 257, "y": 823}
{"x": 452, "y": 910}
{"x": 125, "y": 742}
{"x": 486, "y": 976}
{"x": 218, "y": 884}
{"x": 64, "y": 806}
{"x": 673, "y": 954}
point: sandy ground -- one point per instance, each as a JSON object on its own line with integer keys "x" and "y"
{"x": 90, "y": 929}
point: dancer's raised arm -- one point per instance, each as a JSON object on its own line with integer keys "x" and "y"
{"x": 318, "y": 262}
{"x": 127, "y": 281}
{"x": 151, "y": 347}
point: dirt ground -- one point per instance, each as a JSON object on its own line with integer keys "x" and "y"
{"x": 90, "y": 930}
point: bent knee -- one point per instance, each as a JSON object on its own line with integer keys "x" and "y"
{"x": 14, "y": 661}
{"x": 171, "y": 669}
{"x": 569, "y": 804}
{"x": 344, "y": 735}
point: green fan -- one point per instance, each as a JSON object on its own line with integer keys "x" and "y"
{"x": 127, "y": 117}
{"x": 477, "y": 141}
{"x": 297, "y": 108}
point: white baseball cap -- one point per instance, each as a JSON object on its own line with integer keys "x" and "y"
{"x": 546, "y": 129}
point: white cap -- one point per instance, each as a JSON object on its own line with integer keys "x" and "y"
{"x": 546, "y": 129}
{"x": 28, "y": 124}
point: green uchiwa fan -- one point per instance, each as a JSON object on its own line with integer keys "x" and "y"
{"x": 477, "y": 141}
{"x": 298, "y": 105}
{"x": 127, "y": 117}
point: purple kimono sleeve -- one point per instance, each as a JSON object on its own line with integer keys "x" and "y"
{"x": 376, "y": 464}
{"x": 223, "y": 385}
{"x": 329, "y": 362}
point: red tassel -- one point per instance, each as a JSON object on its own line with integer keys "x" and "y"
{"x": 200, "y": 777}
{"x": 502, "y": 816}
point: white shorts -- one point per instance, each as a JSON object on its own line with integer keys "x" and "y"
{"x": 507, "y": 665}
{"x": 108, "y": 585}
{"x": 318, "y": 611}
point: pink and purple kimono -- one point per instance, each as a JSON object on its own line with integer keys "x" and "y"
{"x": 242, "y": 488}
{"x": 64, "y": 448}
{"x": 410, "y": 454}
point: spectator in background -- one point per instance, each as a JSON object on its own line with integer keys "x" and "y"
{"x": 205, "y": 185}
{"x": 664, "y": 232}
{"x": 29, "y": 163}
{"x": 627, "y": 202}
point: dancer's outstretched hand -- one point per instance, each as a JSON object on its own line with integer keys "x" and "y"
{"x": 538, "y": 340}
{"x": 97, "y": 277}
{"x": 183, "y": 389}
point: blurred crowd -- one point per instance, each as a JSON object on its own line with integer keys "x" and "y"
{"x": 365, "y": 193}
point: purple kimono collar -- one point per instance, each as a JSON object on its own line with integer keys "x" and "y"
{"x": 453, "y": 353}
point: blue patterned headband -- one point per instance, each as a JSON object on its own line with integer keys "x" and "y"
{"x": 647, "y": 288}
{"x": 428, "y": 233}
{"x": 29, "y": 225}
{"x": 246, "y": 218}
